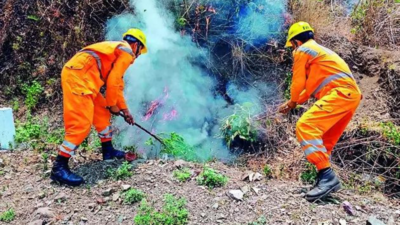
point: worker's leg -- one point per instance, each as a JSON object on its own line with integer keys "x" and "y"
{"x": 332, "y": 136}
{"x": 101, "y": 121}
{"x": 78, "y": 118}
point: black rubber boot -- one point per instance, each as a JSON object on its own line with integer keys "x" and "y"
{"x": 327, "y": 183}
{"x": 110, "y": 153}
{"x": 62, "y": 174}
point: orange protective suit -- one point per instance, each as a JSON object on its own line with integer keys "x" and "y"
{"x": 321, "y": 73}
{"x": 99, "y": 65}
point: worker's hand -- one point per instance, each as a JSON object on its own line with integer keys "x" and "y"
{"x": 114, "y": 110}
{"x": 285, "y": 108}
{"x": 128, "y": 117}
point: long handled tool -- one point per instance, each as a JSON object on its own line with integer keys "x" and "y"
{"x": 148, "y": 132}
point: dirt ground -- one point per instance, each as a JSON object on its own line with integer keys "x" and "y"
{"x": 24, "y": 186}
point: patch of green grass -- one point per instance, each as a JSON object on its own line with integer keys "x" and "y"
{"x": 240, "y": 125}
{"x": 391, "y": 132}
{"x": 211, "y": 178}
{"x": 260, "y": 221}
{"x": 132, "y": 196}
{"x": 122, "y": 173}
{"x": 176, "y": 146}
{"x": 31, "y": 130}
{"x": 267, "y": 171}
{"x": 174, "y": 212}
{"x": 32, "y": 94}
{"x": 182, "y": 174}
{"x": 8, "y": 216}
{"x": 309, "y": 175}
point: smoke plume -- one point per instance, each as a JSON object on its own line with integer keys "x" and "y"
{"x": 166, "y": 89}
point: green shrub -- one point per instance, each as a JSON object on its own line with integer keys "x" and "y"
{"x": 260, "y": 221}
{"x": 32, "y": 94}
{"x": 182, "y": 174}
{"x": 211, "y": 178}
{"x": 31, "y": 130}
{"x": 176, "y": 146}
{"x": 240, "y": 125}
{"x": 132, "y": 196}
{"x": 310, "y": 174}
{"x": 174, "y": 212}
{"x": 122, "y": 173}
{"x": 391, "y": 132}
{"x": 8, "y": 216}
{"x": 267, "y": 171}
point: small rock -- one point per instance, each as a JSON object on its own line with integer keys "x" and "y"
{"x": 256, "y": 190}
{"x": 29, "y": 189}
{"x": 101, "y": 201}
{"x": 215, "y": 206}
{"x": 221, "y": 217}
{"x": 36, "y": 222}
{"x": 39, "y": 205}
{"x": 107, "y": 192}
{"x": 107, "y": 199}
{"x": 236, "y": 194}
{"x": 257, "y": 177}
{"x": 372, "y": 220}
{"x": 180, "y": 164}
{"x": 348, "y": 208}
{"x": 115, "y": 197}
{"x": 1, "y": 163}
{"x": 92, "y": 205}
{"x": 125, "y": 187}
{"x": 397, "y": 212}
{"x": 342, "y": 222}
{"x": 41, "y": 195}
{"x": 203, "y": 215}
{"x": 60, "y": 197}
{"x": 245, "y": 189}
{"x": 391, "y": 221}
{"x": 84, "y": 219}
{"x": 45, "y": 212}
{"x": 360, "y": 209}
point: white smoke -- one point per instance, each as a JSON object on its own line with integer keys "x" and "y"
{"x": 169, "y": 70}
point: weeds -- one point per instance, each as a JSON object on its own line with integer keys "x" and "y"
{"x": 122, "y": 173}
{"x": 29, "y": 131}
{"x": 260, "y": 221}
{"x": 391, "y": 132}
{"x": 310, "y": 174}
{"x": 174, "y": 212}
{"x": 132, "y": 196}
{"x": 32, "y": 94}
{"x": 8, "y": 216}
{"x": 267, "y": 171}
{"x": 176, "y": 146}
{"x": 211, "y": 178}
{"x": 182, "y": 174}
{"x": 240, "y": 125}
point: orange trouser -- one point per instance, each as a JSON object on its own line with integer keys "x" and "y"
{"x": 82, "y": 108}
{"x": 320, "y": 128}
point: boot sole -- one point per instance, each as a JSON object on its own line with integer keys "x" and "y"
{"x": 332, "y": 190}
{"x": 56, "y": 179}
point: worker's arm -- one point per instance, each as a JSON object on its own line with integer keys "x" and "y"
{"x": 299, "y": 78}
{"x": 115, "y": 80}
{"x": 303, "y": 97}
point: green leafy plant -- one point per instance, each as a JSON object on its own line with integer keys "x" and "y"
{"x": 391, "y": 132}
{"x": 182, "y": 174}
{"x": 29, "y": 131}
{"x": 176, "y": 146}
{"x": 8, "y": 216}
{"x": 260, "y": 221}
{"x": 288, "y": 84}
{"x": 240, "y": 125}
{"x": 32, "y": 94}
{"x": 309, "y": 175}
{"x": 211, "y": 178}
{"x": 132, "y": 196}
{"x": 122, "y": 173}
{"x": 174, "y": 212}
{"x": 267, "y": 171}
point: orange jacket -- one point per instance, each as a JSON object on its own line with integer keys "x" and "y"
{"x": 112, "y": 60}
{"x": 316, "y": 71}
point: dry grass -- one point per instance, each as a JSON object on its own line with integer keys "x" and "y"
{"x": 377, "y": 22}
{"x": 326, "y": 18}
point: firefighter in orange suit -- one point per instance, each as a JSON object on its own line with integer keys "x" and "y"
{"x": 95, "y": 71}
{"x": 320, "y": 73}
